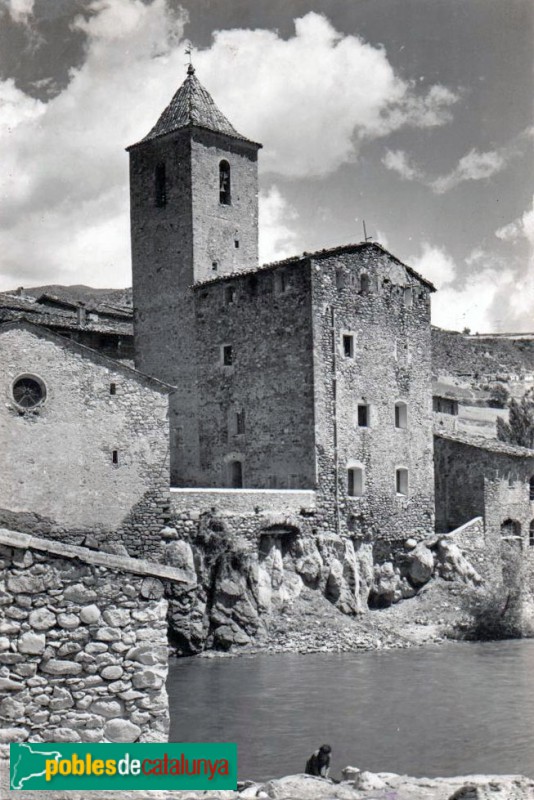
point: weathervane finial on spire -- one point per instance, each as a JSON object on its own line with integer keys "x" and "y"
{"x": 188, "y": 52}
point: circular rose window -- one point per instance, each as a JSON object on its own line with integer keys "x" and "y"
{"x": 28, "y": 391}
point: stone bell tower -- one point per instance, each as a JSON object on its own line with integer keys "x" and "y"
{"x": 194, "y": 216}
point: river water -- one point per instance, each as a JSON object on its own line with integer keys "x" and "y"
{"x": 444, "y": 710}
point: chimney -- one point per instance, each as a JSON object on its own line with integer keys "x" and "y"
{"x": 81, "y": 314}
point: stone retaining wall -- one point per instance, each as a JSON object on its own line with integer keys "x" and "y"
{"x": 242, "y": 501}
{"x": 83, "y": 644}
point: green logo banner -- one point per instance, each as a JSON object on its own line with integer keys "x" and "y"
{"x": 37, "y": 766}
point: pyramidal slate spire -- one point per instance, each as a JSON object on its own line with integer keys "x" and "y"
{"x": 192, "y": 105}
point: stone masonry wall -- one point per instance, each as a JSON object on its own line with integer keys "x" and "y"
{"x": 176, "y": 244}
{"x": 217, "y": 227}
{"x": 390, "y": 325}
{"x": 472, "y": 481}
{"x": 83, "y": 644}
{"x": 237, "y": 502}
{"x": 265, "y": 318}
{"x": 162, "y": 254}
{"x": 58, "y": 473}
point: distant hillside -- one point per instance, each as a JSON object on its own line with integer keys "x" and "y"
{"x": 459, "y": 354}
{"x": 84, "y": 294}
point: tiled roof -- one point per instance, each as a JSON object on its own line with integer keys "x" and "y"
{"x": 193, "y": 105}
{"x": 95, "y": 355}
{"x": 316, "y": 256}
{"x": 63, "y": 315}
{"x": 492, "y": 445}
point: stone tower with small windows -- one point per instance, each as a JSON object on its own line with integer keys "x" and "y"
{"x": 194, "y": 215}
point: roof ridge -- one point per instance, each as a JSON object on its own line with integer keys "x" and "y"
{"x": 192, "y": 105}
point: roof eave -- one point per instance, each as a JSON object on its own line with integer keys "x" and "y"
{"x": 191, "y": 127}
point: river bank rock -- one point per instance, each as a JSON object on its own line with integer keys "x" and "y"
{"x": 388, "y": 786}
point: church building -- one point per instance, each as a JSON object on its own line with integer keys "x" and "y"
{"x": 310, "y": 373}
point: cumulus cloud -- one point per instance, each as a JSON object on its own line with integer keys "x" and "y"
{"x": 485, "y": 292}
{"x": 474, "y": 166}
{"x": 435, "y": 264}
{"x": 292, "y": 94}
{"x": 521, "y": 228}
{"x": 277, "y": 238}
{"x": 398, "y": 161}
{"x": 19, "y": 10}
{"x": 64, "y": 173}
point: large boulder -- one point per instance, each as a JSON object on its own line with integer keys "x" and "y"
{"x": 334, "y": 582}
{"x": 180, "y": 554}
{"x": 226, "y": 636}
{"x": 387, "y": 585}
{"x": 303, "y": 787}
{"x": 420, "y": 564}
{"x": 453, "y": 565}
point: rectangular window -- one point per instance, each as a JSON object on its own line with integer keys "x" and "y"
{"x": 401, "y": 481}
{"x": 280, "y": 282}
{"x": 113, "y": 388}
{"x": 408, "y": 297}
{"x": 348, "y": 345}
{"x": 355, "y": 482}
{"x": 236, "y": 243}
{"x": 229, "y": 294}
{"x": 445, "y": 405}
{"x": 401, "y": 415}
{"x": 227, "y": 355}
{"x": 363, "y": 416}
{"x": 240, "y": 422}
{"x": 115, "y": 457}
{"x": 214, "y": 266}
{"x": 236, "y": 474}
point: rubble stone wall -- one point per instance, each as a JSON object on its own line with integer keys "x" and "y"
{"x": 58, "y": 458}
{"x": 266, "y": 319}
{"x": 83, "y": 644}
{"x": 374, "y": 299}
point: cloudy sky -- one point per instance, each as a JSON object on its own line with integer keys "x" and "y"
{"x": 415, "y": 115}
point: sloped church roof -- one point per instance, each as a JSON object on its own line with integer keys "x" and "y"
{"x": 192, "y": 105}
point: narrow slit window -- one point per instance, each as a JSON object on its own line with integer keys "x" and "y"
{"x": 227, "y": 355}
{"x": 240, "y": 422}
{"x": 348, "y": 345}
{"x": 531, "y": 488}
{"x": 214, "y": 266}
{"x": 115, "y": 457}
{"x": 363, "y": 415}
{"x": 225, "y": 196}
{"x": 355, "y": 482}
{"x": 401, "y": 481}
{"x": 229, "y": 294}
{"x": 236, "y": 244}
{"x": 160, "y": 185}
{"x": 408, "y": 296}
{"x": 113, "y": 388}
{"x": 401, "y": 415}
{"x": 531, "y": 534}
